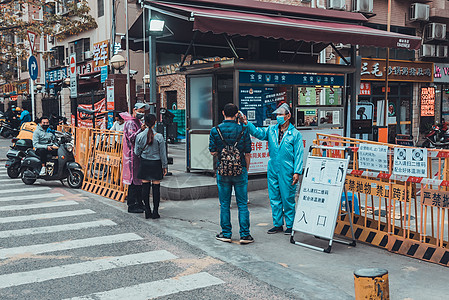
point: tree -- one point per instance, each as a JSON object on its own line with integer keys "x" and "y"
{"x": 60, "y": 19}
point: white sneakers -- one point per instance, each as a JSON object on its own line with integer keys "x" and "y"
{"x": 43, "y": 171}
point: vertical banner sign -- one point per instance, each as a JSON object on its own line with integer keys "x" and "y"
{"x": 73, "y": 79}
{"x": 320, "y": 196}
{"x": 104, "y": 73}
{"x": 427, "y": 102}
{"x": 110, "y": 98}
{"x": 410, "y": 162}
{"x": 259, "y": 156}
{"x": 373, "y": 157}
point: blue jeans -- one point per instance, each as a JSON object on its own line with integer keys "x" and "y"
{"x": 240, "y": 184}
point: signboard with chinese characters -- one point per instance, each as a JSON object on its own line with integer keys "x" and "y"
{"x": 291, "y": 79}
{"x": 100, "y": 55}
{"x": 99, "y": 123}
{"x": 427, "y": 101}
{"x": 435, "y": 198}
{"x": 110, "y": 102}
{"x": 410, "y": 162}
{"x": 258, "y": 103}
{"x": 365, "y": 89}
{"x": 441, "y": 72}
{"x": 398, "y": 70}
{"x": 320, "y": 196}
{"x": 374, "y": 188}
{"x": 259, "y": 156}
{"x": 54, "y": 75}
{"x": 373, "y": 157}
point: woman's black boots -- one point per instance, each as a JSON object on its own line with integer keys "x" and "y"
{"x": 146, "y": 186}
{"x": 156, "y": 200}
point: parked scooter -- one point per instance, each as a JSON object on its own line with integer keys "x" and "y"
{"x": 15, "y": 156}
{"x": 436, "y": 138}
{"x": 60, "y": 167}
{"x": 8, "y": 128}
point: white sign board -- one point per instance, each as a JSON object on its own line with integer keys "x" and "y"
{"x": 259, "y": 156}
{"x": 373, "y": 157}
{"x": 73, "y": 79}
{"x": 31, "y": 39}
{"x": 320, "y": 196}
{"x": 410, "y": 162}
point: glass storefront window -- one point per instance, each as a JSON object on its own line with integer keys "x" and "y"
{"x": 201, "y": 106}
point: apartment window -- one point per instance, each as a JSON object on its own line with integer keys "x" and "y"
{"x": 79, "y": 47}
{"x": 23, "y": 65}
{"x": 100, "y": 4}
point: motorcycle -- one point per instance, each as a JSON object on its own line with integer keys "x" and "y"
{"x": 59, "y": 167}
{"x": 436, "y": 138}
{"x": 8, "y": 129}
{"x": 15, "y": 156}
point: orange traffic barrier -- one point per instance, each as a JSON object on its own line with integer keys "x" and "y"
{"x": 99, "y": 152}
{"x": 405, "y": 214}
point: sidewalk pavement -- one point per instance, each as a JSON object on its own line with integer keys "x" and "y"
{"x": 307, "y": 273}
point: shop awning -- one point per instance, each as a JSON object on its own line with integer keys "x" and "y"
{"x": 220, "y": 21}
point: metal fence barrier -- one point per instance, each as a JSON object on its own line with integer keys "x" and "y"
{"x": 403, "y": 214}
{"x": 99, "y": 152}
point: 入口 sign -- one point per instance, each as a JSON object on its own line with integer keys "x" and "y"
{"x": 427, "y": 102}
{"x": 320, "y": 196}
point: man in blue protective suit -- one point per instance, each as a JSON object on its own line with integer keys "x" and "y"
{"x": 286, "y": 159}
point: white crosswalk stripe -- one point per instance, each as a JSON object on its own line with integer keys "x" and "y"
{"x": 11, "y": 180}
{"x": 46, "y": 216}
{"x": 41, "y": 275}
{"x": 68, "y": 245}
{"x": 37, "y": 205}
{"x": 158, "y": 288}
{"x": 87, "y": 237}
{"x": 14, "y": 183}
{"x": 30, "y": 197}
{"x": 56, "y": 228}
{"x": 25, "y": 189}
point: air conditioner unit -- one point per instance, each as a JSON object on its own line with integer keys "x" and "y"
{"x": 435, "y": 31}
{"x": 336, "y": 4}
{"x": 419, "y": 12}
{"x": 340, "y": 46}
{"x": 363, "y": 6}
{"x": 441, "y": 51}
{"x": 87, "y": 55}
{"x": 427, "y": 51}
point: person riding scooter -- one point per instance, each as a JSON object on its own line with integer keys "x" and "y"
{"x": 44, "y": 143}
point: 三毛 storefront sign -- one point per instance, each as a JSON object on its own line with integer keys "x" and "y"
{"x": 441, "y": 73}
{"x": 398, "y": 70}
{"x": 427, "y": 102}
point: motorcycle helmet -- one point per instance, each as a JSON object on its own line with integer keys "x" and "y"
{"x": 18, "y": 109}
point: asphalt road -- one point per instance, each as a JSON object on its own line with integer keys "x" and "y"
{"x": 59, "y": 243}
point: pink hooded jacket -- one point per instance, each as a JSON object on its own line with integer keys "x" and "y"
{"x": 131, "y": 162}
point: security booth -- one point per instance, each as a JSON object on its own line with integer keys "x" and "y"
{"x": 315, "y": 95}
{"x": 257, "y": 54}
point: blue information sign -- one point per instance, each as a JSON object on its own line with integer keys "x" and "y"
{"x": 291, "y": 79}
{"x": 104, "y": 73}
{"x": 32, "y": 67}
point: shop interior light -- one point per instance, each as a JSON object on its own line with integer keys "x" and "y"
{"x": 157, "y": 25}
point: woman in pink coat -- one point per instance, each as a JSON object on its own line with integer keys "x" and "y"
{"x": 131, "y": 162}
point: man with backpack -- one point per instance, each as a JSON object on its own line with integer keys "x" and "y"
{"x": 231, "y": 143}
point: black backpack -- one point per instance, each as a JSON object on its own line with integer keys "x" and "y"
{"x": 230, "y": 157}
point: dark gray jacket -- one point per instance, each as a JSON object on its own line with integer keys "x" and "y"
{"x": 42, "y": 139}
{"x": 155, "y": 151}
